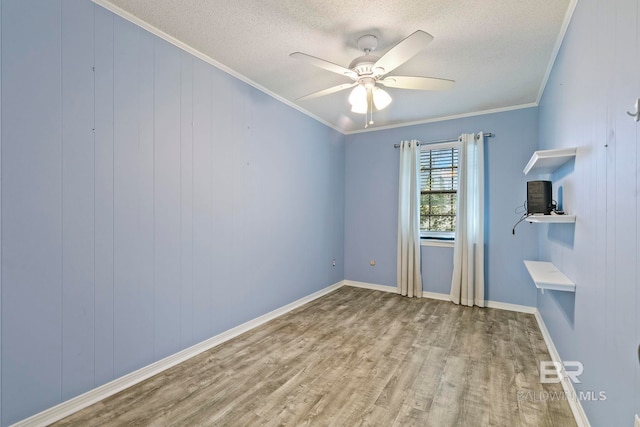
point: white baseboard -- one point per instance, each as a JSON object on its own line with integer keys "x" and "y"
{"x": 436, "y": 295}
{"x": 394, "y": 290}
{"x": 567, "y": 385}
{"x": 511, "y": 307}
{"x": 372, "y": 286}
{"x": 77, "y": 403}
{"x": 443, "y": 297}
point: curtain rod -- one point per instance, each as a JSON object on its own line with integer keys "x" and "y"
{"x": 440, "y": 141}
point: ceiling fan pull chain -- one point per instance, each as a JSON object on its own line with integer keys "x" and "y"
{"x": 371, "y": 108}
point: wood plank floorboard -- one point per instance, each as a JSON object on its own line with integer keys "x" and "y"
{"x": 355, "y": 357}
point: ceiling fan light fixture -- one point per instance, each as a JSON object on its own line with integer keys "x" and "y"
{"x": 381, "y": 99}
{"x": 359, "y": 108}
{"x": 358, "y": 100}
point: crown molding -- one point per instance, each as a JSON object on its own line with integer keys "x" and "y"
{"x": 181, "y": 45}
{"x": 556, "y": 48}
{"x": 445, "y": 118}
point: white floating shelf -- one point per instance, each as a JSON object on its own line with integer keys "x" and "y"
{"x": 547, "y": 161}
{"x": 547, "y": 276}
{"x": 548, "y": 219}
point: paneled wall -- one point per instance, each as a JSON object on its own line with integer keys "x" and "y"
{"x": 372, "y": 205}
{"x": 594, "y": 82}
{"x": 148, "y": 201}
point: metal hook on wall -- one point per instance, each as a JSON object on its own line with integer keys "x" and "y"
{"x": 636, "y": 115}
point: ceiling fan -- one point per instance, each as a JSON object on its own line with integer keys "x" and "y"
{"x": 369, "y": 71}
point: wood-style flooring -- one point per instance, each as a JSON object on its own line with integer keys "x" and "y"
{"x": 355, "y": 357}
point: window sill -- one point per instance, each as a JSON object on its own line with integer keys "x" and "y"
{"x": 437, "y": 243}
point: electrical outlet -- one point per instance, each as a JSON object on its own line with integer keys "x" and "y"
{"x": 637, "y": 421}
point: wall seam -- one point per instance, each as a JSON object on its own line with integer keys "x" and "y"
{"x": 211, "y": 225}
{"x": 61, "y": 211}
{"x": 93, "y": 15}
{"x": 153, "y": 155}
{"x": 113, "y": 199}
{"x": 1, "y": 222}
{"x": 180, "y": 257}
{"x": 193, "y": 83}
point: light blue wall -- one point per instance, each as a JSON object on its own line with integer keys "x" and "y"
{"x": 187, "y": 211}
{"x": 595, "y": 80}
{"x": 197, "y": 204}
{"x": 0, "y": 215}
{"x": 371, "y": 205}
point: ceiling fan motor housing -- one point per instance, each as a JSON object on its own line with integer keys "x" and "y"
{"x": 363, "y": 65}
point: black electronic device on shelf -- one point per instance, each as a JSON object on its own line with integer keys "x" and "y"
{"x": 539, "y": 199}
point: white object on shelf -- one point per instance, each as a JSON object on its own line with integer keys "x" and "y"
{"x": 547, "y": 161}
{"x": 551, "y": 219}
{"x": 547, "y": 276}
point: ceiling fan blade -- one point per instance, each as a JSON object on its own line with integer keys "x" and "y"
{"x": 330, "y": 66}
{"x": 328, "y": 91}
{"x": 403, "y": 51}
{"x": 418, "y": 83}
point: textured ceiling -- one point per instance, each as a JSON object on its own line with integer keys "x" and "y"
{"x": 497, "y": 51}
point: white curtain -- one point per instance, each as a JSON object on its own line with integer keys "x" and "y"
{"x": 409, "y": 277}
{"x": 467, "y": 284}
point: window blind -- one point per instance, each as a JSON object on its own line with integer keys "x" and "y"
{"x": 438, "y": 190}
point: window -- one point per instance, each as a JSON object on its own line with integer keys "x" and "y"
{"x": 438, "y": 190}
